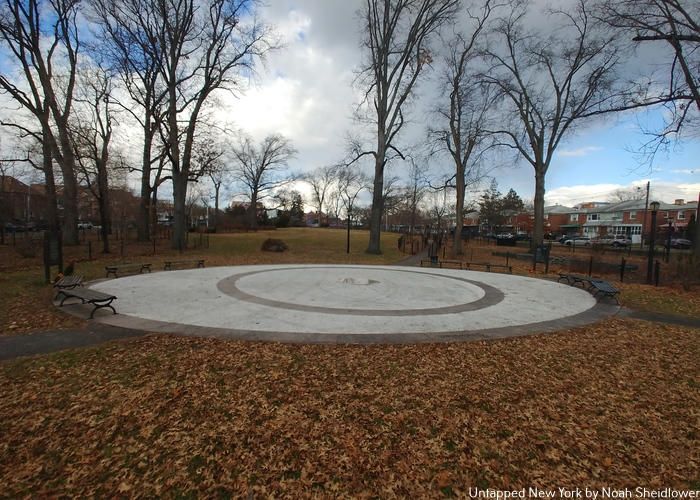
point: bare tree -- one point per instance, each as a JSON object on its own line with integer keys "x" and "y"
{"x": 91, "y": 130}
{"x": 135, "y": 58}
{"x": 629, "y": 194}
{"x": 199, "y": 47}
{"x": 351, "y": 182}
{"x": 42, "y": 37}
{"x": 547, "y": 85}
{"x": 416, "y": 190}
{"x": 262, "y": 168}
{"x": 465, "y": 116}
{"x": 397, "y": 36}
{"x": 321, "y": 181}
{"x": 676, "y": 22}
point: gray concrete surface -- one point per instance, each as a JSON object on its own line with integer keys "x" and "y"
{"x": 360, "y": 304}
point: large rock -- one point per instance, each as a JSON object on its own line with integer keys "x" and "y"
{"x": 273, "y": 245}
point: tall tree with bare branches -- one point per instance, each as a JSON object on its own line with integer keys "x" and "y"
{"x": 464, "y": 117}
{"x": 548, "y": 84}
{"x": 321, "y": 180}
{"x": 130, "y": 53}
{"x": 42, "y": 38}
{"x": 396, "y": 41}
{"x": 91, "y": 130}
{"x": 262, "y": 168}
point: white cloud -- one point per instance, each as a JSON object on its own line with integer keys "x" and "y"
{"x": 686, "y": 171}
{"x": 578, "y": 152}
{"x": 660, "y": 190}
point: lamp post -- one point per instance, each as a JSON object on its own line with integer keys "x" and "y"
{"x": 654, "y": 205}
{"x": 668, "y": 240}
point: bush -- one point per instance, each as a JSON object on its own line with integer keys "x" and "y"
{"x": 273, "y": 245}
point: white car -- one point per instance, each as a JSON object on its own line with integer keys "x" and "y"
{"x": 578, "y": 241}
{"x": 84, "y": 225}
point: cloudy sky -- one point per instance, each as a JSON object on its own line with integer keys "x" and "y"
{"x": 305, "y": 92}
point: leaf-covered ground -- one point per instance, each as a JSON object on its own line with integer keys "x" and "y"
{"x": 614, "y": 404}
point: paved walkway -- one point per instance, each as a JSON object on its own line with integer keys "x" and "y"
{"x": 58, "y": 340}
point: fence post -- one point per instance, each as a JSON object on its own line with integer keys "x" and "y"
{"x": 590, "y": 266}
{"x": 121, "y": 248}
{"x": 154, "y": 245}
{"x": 623, "y": 264}
{"x": 89, "y": 250}
{"x": 657, "y": 269}
{"x": 507, "y": 258}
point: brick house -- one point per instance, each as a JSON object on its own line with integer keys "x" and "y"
{"x": 632, "y": 219}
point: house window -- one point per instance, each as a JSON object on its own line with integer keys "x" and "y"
{"x": 592, "y": 217}
{"x": 633, "y": 215}
{"x": 573, "y": 218}
{"x": 680, "y": 215}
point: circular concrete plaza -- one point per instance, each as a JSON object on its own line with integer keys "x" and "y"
{"x": 348, "y": 304}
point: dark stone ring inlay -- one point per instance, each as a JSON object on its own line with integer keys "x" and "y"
{"x": 491, "y": 297}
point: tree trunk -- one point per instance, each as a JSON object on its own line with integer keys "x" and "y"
{"x": 180, "y": 222}
{"x": 144, "y": 219}
{"x": 375, "y": 218}
{"x": 253, "y": 212}
{"x": 153, "y": 211}
{"x": 460, "y": 186}
{"x": 51, "y": 199}
{"x": 216, "y": 206}
{"x": 538, "y": 233}
{"x": 103, "y": 200}
{"x": 70, "y": 203}
{"x": 70, "y": 186}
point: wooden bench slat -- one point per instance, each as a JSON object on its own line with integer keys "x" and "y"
{"x": 115, "y": 269}
{"x": 462, "y": 265}
{"x": 169, "y": 264}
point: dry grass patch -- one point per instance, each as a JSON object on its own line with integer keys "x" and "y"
{"x": 615, "y": 404}
{"x": 25, "y": 300}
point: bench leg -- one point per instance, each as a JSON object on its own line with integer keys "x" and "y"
{"x": 100, "y": 306}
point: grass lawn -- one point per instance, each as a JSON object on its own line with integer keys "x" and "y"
{"x": 22, "y": 286}
{"x": 614, "y": 404}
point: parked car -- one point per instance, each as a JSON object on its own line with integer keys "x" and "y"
{"x": 15, "y": 227}
{"x": 565, "y": 237}
{"x": 578, "y": 241}
{"x": 616, "y": 241}
{"x": 681, "y": 243}
{"x": 84, "y": 225}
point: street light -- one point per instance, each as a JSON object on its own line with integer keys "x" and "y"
{"x": 654, "y": 205}
{"x": 668, "y": 239}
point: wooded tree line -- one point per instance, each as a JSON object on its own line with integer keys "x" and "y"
{"x": 80, "y": 64}
{"x": 511, "y": 84}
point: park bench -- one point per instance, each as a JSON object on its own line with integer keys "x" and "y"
{"x": 488, "y": 266}
{"x": 597, "y": 287}
{"x": 458, "y": 264}
{"x": 87, "y": 296}
{"x": 170, "y": 264}
{"x": 604, "y": 289}
{"x": 575, "y": 279}
{"x": 69, "y": 282}
{"x": 117, "y": 269}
